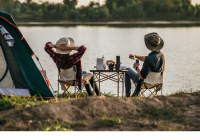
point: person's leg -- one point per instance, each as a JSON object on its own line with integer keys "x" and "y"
{"x": 89, "y": 77}
{"x": 95, "y": 85}
{"x": 131, "y": 74}
{"x": 86, "y": 77}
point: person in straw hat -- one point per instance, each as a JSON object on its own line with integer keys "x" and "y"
{"x": 70, "y": 64}
{"x": 154, "y": 62}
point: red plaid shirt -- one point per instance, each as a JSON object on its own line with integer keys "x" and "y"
{"x": 74, "y": 59}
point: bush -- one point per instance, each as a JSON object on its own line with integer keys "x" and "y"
{"x": 74, "y": 14}
{"x": 16, "y": 12}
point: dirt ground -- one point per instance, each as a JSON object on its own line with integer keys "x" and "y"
{"x": 160, "y": 113}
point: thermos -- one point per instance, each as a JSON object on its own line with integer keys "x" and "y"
{"x": 117, "y": 62}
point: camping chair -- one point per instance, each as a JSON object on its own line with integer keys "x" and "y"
{"x": 67, "y": 83}
{"x": 153, "y": 84}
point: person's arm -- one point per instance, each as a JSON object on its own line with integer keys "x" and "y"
{"x": 49, "y": 49}
{"x": 141, "y": 58}
{"x": 62, "y": 47}
{"x": 77, "y": 56}
{"x": 138, "y": 71}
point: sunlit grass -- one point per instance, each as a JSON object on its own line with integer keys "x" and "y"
{"x": 50, "y": 125}
{"x": 109, "y": 122}
{"x": 14, "y": 102}
{"x": 161, "y": 114}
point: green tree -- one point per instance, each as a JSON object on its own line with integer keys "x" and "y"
{"x": 120, "y": 12}
{"x": 74, "y": 14}
{"x": 134, "y": 10}
{"x": 16, "y": 9}
{"x": 6, "y": 5}
{"x": 34, "y": 6}
{"x": 71, "y": 3}
{"x": 9, "y": 8}
{"x": 45, "y": 12}
{"x": 197, "y": 12}
{"x": 103, "y": 13}
{"x": 61, "y": 10}
{"x": 24, "y": 8}
{"x": 109, "y": 3}
{"x": 93, "y": 13}
{"x": 28, "y": 1}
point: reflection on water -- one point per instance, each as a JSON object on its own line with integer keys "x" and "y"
{"x": 181, "y": 50}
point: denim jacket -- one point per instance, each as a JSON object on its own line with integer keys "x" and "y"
{"x": 154, "y": 62}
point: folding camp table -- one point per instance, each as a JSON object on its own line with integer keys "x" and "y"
{"x": 102, "y": 75}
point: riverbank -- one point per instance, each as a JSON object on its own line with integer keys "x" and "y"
{"x": 177, "y": 112}
{"x": 112, "y": 23}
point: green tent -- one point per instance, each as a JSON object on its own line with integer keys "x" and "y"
{"x": 18, "y": 71}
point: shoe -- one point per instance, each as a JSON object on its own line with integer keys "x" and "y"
{"x": 127, "y": 95}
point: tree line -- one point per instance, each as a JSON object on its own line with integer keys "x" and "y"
{"x": 124, "y": 10}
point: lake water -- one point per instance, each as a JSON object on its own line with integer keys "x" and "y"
{"x": 181, "y": 50}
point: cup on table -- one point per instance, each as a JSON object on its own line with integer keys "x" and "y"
{"x": 111, "y": 66}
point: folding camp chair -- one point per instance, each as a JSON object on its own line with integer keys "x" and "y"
{"x": 152, "y": 87}
{"x": 67, "y": 83}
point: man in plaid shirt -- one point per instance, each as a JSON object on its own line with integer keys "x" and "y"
{"x": 69, "y": 61}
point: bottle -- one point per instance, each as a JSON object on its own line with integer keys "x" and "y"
{"x": 104, "y": 62}
{"x": 137, "y": 61}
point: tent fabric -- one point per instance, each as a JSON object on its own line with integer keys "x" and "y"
{"x": 21, "y": 54}
{"x": 7, "y": 36}
{"x": 9, "y": 20}
{"x": 6, "y": 81}
{"x": 13, "y": 67}
{"x": 14, "y": 92}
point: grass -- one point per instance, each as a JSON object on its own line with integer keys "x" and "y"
{"x": 7, "y": 103}
{"x": 14, "y": 102}
{"x": 108, "y": 94}
{"x": 161, "y": 114}
{"x": 73, "y": 95}
{"x": 79, "y": 123}
{"x": 108, "y": 122}
{"x": 50, "y": 125}
{"x": 184, "y": 92}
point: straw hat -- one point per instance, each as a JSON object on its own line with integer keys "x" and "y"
{"x": 153, "y": 41}
{"x": 65, "y": 41}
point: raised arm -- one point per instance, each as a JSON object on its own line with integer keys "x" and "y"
{"x": 141, "y": 58}
{"x": 77, "y": 56}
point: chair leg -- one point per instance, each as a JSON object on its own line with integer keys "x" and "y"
{"x": 66, "y": 90}
{"x": 75, "y": 90}
{"x": 58, "y": 83}
{"x": 151, "y": 92}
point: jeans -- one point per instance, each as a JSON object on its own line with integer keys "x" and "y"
{"x": 89, "y": 77}
{"x": 131, "y": 74}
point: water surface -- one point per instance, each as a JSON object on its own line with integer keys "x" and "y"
{"x": 181, "y": 50}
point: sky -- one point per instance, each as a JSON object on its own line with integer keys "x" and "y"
{"x": 86, "y": 2}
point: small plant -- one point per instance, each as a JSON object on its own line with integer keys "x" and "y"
{"x": 79, "y": 123}
{"x": 73, "y": 95}
{"x": 15, "y": 102}
{"x": 161, "y": 114}
{"x": 108, "y": 94}
{"x": 109, "y": 122}
{"x": 52, "y": 125}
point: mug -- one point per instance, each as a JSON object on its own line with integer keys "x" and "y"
{"x": 111, "y": 66}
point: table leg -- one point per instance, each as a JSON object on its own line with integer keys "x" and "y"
{"x": 99, "y": 85}
{"x": 122, "y": 84}
{"x": 93, "y": 82}
{"x": 118, "y": 84}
